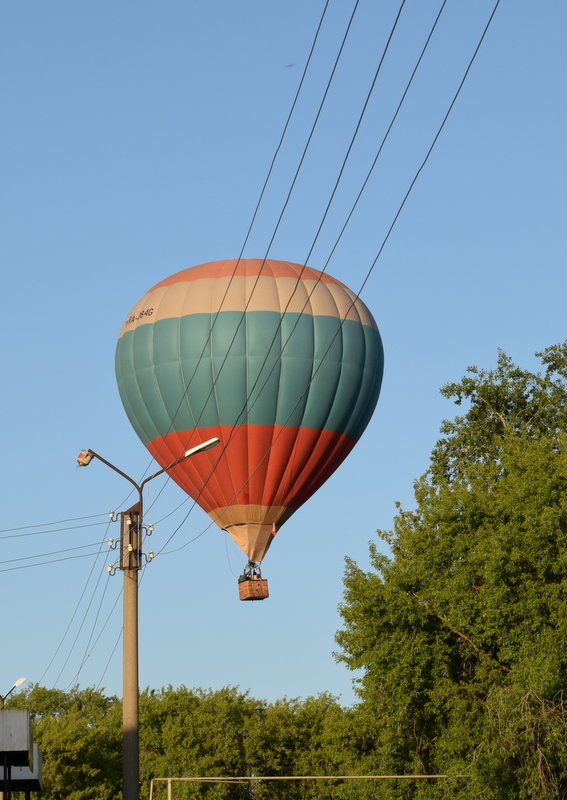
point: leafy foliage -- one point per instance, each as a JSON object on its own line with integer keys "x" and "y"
{"x": 461, "y": 632}
{"x": 184, "y": 733}
{"x": 78, "y": 734}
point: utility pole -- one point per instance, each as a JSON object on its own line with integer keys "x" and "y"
{"x": 131, "y": 536}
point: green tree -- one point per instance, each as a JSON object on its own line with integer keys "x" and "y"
{"x": 186, "y": 733}
{"x": 196, "y": 733}
{"x": 460, "y": 631}
{"x": 78, "y": 734}
{"x": 227, "y": 733}
{"x": 295, "y": 737}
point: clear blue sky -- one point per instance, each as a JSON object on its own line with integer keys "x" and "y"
{"x": 135, "y": 139}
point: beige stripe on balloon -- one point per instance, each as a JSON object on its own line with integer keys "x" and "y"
{"x": 255, "y": 294}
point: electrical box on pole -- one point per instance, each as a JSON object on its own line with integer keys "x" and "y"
{"x": 131, "y": 538}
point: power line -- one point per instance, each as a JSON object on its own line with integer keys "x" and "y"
{"x": 110, "y": 657}
{"x": 119, "y": 634}
{"x": 355, "y": 134}
{"x": 246, "y": 405}
{"x": 53, "y": 530}
{"x": 357, "y": 128}
{"x": 286, "y": 202}
{"x": 386, "y": 135}
{"x": 51, "y": 553}
{"x": 254, "y": 215}
{"x": 44, "y": 563}
{"x": 88, "y": 650}
{"x": 74, "y": 614}
{"x": 74, "y": 642}
{"x": 87, "y": 653}
{"x": 338, "y": 179}
{"x": 381, "y": 248}
{"x": 278, "y": 222}
{"x": 433, "y": 143}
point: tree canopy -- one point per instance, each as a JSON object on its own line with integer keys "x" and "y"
{"x": 183, "y": 733}
{"x": 460, "y": 630}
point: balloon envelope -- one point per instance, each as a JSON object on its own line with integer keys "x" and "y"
{"x": 282, "y": 362}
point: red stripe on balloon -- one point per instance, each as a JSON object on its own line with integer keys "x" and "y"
{"x": 254, "y": 464}
{"x": 247, "y": 267}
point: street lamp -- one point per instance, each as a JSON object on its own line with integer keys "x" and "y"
{"x": 15, "y": 685}
{"x": 130, "y": 563}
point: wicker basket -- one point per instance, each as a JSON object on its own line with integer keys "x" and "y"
{"x": 253, "y": 589}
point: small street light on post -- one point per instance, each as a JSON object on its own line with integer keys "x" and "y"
{"x": 130, "y": 563}
{"x": 15, "y": 685}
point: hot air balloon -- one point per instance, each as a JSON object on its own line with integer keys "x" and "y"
{"x": 280, "y": 361}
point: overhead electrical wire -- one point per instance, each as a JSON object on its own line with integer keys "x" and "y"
{"x": 282, "y": 136}
{"x": 337, "y": 181}
{"x": 75, "y": 611}
{"x": 412, "y": 184}
{"x": 341, "y": 171}
{"x": 351, "y": 143}
{"x": 103, "y": 627}
{"x": 44, "y": 563}
{"x": 119, "y": 634}
{"x": 55, "y": 522}
{"x": 110, "y": 657}
{"x": 74, "y": 614}
{"x": 81, "y": 625}
{"x": 386, "y": 135}
{"x": 392, "y": 225}
{"x": 278, "y": 223}
{"x": 433, "y": 143}
{"x": 51, "y": 553}
{"x": 163, "y": 552}
{"x": 246, "y": 406}
{"x": 50, "y": 530}
{"x": 87, "y": 650}
{"x": 280, "y": 217}
{"x": 257, "y": 207}
{"x": 90, "y": 645}
{"x": 254, "y": 215}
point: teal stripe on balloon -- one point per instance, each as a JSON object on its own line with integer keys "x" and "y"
{"x": 320, "y": 373}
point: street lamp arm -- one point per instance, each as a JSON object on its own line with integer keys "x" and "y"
{"x": 197, "y": 449}
{"x": 85, "y": 457}
{"x": 159, "y": 472}
{"x": 112, "y": 467}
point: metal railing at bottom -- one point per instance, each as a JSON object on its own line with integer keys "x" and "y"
{"x": 255, "y": 778}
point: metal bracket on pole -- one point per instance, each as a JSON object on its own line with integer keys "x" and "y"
{"x": 131, "y": 539}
